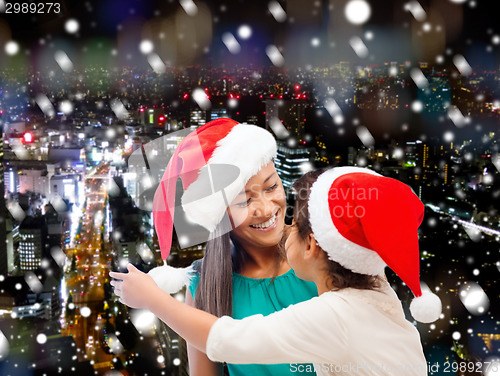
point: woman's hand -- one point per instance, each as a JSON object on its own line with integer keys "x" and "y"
{"x": 135, "y": 288}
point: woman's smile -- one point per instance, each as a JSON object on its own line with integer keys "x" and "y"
{"x": 268, "y": 225}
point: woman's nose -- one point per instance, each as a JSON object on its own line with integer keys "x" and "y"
{"x": 263, "y": 207}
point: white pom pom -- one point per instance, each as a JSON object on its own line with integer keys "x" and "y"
{"x": 171, "y": 279}
{"x": 426, "y": 308}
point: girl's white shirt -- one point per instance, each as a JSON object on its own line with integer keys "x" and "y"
{"x": 346, "y": 332}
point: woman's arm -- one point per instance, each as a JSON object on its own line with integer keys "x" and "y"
{"x": 199, "y": 364}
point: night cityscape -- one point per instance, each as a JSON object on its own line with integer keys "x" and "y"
{"x": 94, "y": 98}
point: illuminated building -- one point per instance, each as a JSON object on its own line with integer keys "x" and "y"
{"x": 3, "y": 211}
{"x": 11, "y": 179}
{"x": 66, "y": 186}
{"x": 197, "y": 118}
{"x": 291, "y": 163}
{"x": 45, "y": 305}
{"x": 31, "y": 180}
{"x": 290, "y": 112}
{"x": 152, "y": 117}
{"x": 218, "y": 113}
{"x": 32, "y": 234}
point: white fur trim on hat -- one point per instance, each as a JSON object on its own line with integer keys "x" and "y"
{"x": 171, "y": 279}
{"x": 426, "y": 308}
{"x": 247, "y": 147}
{"x": 348, "y": 254}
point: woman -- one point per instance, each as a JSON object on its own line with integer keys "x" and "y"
{"x": 349, "y": 223}
{"x": 242, "y": 272}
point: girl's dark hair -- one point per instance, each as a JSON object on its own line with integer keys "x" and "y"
{"x": 340, "y": 277}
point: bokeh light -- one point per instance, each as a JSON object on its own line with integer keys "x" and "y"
{"x": 357, "y": 12}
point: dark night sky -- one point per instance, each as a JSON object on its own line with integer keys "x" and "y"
{"x": 469, "y": 28}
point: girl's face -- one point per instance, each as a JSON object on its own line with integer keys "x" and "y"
{"x": 259, "y": 211}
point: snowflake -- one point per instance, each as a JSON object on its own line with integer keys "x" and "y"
{"x": 11, "y": 48}
{"x": 277, "y": 11}
{"x": 231, "y": 43}
{"x": 275, "y": 56}
{"x": 71, "y": 26}
{"x": 357, "y": 12}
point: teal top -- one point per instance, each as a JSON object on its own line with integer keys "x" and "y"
{"x": 253, "y": 296}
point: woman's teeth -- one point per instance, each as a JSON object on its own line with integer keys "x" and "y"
{"x": 266, "y": 224}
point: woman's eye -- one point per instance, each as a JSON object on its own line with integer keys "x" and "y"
{"x": 243, "y": 204}
{"x": 272, "y": 187}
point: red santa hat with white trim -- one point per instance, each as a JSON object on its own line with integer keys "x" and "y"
{"x": 365, "y": 221}
{"x": 221, "y": 142}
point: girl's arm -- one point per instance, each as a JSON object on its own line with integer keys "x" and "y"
{"x": 199, "y": 364}
{"x": 310, "y": 331}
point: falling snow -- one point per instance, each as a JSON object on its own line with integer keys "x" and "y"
{"x": 244, "y": 32}
{"x": 189, "y": 7}
{"x": 462, "y": 65}
{"x": 231, "y": 43}
{"x": 119, "y": 109}
{"x": 357, "y": 11}
{"x": 201, "y": 98}
{"x": 11, "y": 48}
{"x": 416, "y": 10}
{"x": 45, "y": 105}
{"x": 277, "y": 11}
{"x": 359, "y": 47}
{"x": 278, "y": 128}
{"x": 365, "y": 136}
{"x": 419, "y": 78}
{"x": 275, "y": 56}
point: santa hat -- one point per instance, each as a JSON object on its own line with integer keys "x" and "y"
{"x": 240, "y": 149}
{"x": 365, "y": 221}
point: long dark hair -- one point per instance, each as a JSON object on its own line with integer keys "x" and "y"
{"x": 215, "y": 287}
{"x": 340, "y": 277}
{"x": 214, "y": 293}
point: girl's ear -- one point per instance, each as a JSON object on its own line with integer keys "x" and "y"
{"x": 312, "y": 246}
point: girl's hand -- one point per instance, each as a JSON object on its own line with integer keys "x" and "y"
{"x": 135, "y": 288}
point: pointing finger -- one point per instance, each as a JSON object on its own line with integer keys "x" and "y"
{"x": 131, "y": 268}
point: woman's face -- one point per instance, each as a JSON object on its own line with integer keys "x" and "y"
{"x": 259, "y": 211}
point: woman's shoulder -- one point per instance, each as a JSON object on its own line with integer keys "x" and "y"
{"x": 195, "y": 277}
{"x": 196, "y": 265}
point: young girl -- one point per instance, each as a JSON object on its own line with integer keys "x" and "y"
{"x": 349, "y": 223}
{"x": 242, "y": 272}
